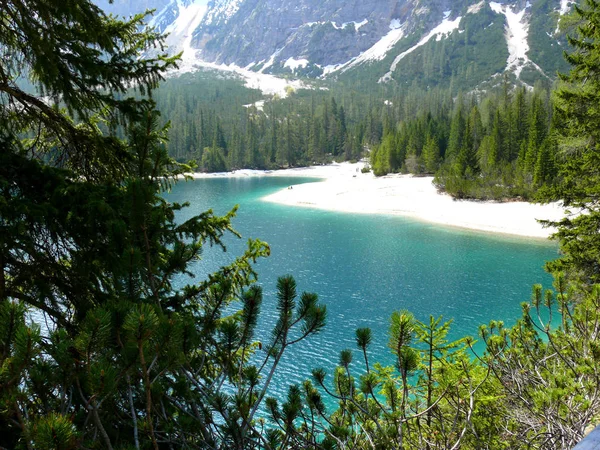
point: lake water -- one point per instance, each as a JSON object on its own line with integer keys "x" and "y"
{"x": 364, "y": 267}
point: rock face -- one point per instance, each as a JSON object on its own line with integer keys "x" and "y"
{"x": 382, "y": 37}
{"x": 323, "y": 32}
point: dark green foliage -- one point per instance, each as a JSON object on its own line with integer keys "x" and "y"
{"x": 210, "y": 113}
{"x": 213, "y": 160}
{"x": 118, "y": 357}
{"x": 497, "y": 147}
{"x": 547, "y": 366}
{"x": 577, "y": 122}
{"x": 546, "y": 50}
{"x": 315, "y": 127}
{"x": 431, "y": 155}
{"x": 464, "y": 59}
{"x": 199, "y": 108}
{"x": 417, "y": 404}
{"x": 533, "y": 387}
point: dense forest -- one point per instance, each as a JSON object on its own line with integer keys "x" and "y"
{"x": 99, "y": 349}
{"x": 497, "y": 145}
{"x": 224, "y": 126}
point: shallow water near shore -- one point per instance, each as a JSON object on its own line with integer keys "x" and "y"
{"x": 364, "y": 267}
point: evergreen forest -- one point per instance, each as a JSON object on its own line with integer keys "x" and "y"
{"x": 100, "y": 349}
{"x": 499, "y": 145}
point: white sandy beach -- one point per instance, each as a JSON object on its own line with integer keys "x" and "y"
{"x": 345, "y": 188}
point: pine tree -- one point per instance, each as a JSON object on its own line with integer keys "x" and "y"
{"x": 315, "y": 149}
{"x": 219, "y": 138}
{"x": 380, "y": 156}
{"x": 431, "y": 155}
{"x": 236, "y": 154}
{"x": 342, "y": 130}
{"x": 253, "y": 156}
{"x": 578, "y": 123}
{"x": 519, "y": 117}
{"x": 466, "y": 160}
{"x": 537, "y": 133}
{"x": 457, "y": 132}
{"x": 496, "y": 152}
{"x": 273, "y": 137}
{"x": 127, "y": 358}
{"x": 544, "y": 170}
{"x": 476, "y": 127}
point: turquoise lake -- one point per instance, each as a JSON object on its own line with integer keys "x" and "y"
{"x": 364, "y": 267}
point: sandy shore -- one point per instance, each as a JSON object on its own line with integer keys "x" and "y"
{"x": 345, "y": 188}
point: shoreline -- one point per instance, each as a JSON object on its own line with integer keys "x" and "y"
{"x": 343, "y": 188}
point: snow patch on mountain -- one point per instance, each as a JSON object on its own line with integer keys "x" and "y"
{"x": 516, "y": 32}
{"x": 565, "y": 6}
{"x": 442, "y": 30}
{"x": 293, "y": 64}
{"x": 376, "y": 52}
{"x": 180, "y": 32}
{"x": 222, "y": 11}
{"x": 357, "y": 25}
{"x": 271, "y": 60}
{"x": 267, "y": 84}
{"x": 259, "y": 105}
{"x": 162, "y": 16}
{"x": 363, "y": 22}
{"x": 330, "y": 69}
{"x": 474, "y": 9}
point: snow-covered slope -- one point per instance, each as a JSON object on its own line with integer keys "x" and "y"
{"x": 180, "y": 31}
{"x": 221, "y": 11}
{"x": 517, "y": 29}
{"x": 377, "y": 52}
{"x": 267, "y": 84}
{"x": 340, "y": 38}
{"x": 446, "y": 27}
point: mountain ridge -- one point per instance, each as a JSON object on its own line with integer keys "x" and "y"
{"x": 369, "y": 39}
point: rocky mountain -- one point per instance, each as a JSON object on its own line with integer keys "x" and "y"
{"x": 468, "y": 42}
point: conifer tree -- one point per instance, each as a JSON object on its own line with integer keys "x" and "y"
{"x": 466, "y": 160}
{"x": 431, "y": 155}
{"x": 536, "y": 135}
{"x": 544, "y": 170}
{"x": 236, "y": 153}
{"x": 124, "y": 358}
{"x": 496, "y": 151}
{"x": 342, "y": 129}
{"x": 578, "y": 123}
{"x": 253, "y": 155}
{"x": 315, "y": 149}
{"x": 519, "y": 117}
{"x": 457, "y": 132}
{"x": 476, "y": 127}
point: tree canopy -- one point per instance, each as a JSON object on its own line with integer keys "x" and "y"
{"x": 99, "y": 347}
{"x": 578, "y": 121}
